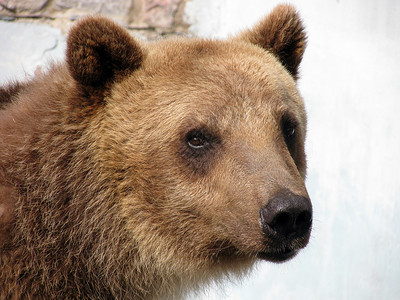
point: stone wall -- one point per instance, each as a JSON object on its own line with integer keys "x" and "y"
{"x": 149, "y": 18}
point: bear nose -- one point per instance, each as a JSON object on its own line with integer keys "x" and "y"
{"x": 287, "y": 215}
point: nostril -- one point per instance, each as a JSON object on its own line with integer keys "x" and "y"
{"x": 303, "y": 220}
{"x": 282, "y": 222}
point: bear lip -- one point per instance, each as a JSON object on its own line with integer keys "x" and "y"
{"x": 278, "y": 256}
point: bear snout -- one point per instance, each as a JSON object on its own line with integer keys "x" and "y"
{"x": 286, "y": 217}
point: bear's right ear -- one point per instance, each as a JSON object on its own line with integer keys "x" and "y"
{"x": 281, "y": 33}
{"x": 100, "y": 51}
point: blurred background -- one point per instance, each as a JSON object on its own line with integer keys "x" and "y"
{"x": 350, "y": 80}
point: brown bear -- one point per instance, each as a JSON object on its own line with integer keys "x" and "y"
{"x": 142, "y": 170}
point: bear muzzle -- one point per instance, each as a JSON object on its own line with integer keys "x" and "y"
{"x": 286, "y": 224}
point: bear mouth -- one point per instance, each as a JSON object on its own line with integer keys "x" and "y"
{"x": 278, "y": 256}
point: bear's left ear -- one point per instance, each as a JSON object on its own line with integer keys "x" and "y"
{"x": 281, "y": 33}
{"x": 100, "y": 51}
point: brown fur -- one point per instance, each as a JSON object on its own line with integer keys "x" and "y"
{"x": 283, "y": 35}
{"x": 9, "y": 92}
{"x": 100, "y": 195}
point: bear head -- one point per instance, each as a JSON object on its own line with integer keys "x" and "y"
{"x": 202, "y": 141}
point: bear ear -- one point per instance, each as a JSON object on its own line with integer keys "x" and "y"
{"x": 100, "y": 51}
{"x": 281, "y": 33}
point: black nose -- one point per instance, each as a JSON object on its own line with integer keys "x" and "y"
{"x": 288, "y": 215}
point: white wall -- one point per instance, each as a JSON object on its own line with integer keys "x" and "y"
{"x": 351, "y": 85}
{"x": 350, "y": 80}
{"x": 24, "y": 47}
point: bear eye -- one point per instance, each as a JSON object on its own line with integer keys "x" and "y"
{"x": 289, "y": 130}
{"x": 197, "y": 139}
{"x": 289, "y": 127}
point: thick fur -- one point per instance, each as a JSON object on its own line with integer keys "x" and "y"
{"x": 100, "y": 194}
{"x": 9, "y": 92}
{"x": 282, "y": 33}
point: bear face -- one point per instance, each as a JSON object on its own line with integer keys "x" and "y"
{"x": 228, "y": 136}
{"x": 147, "y": 168}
